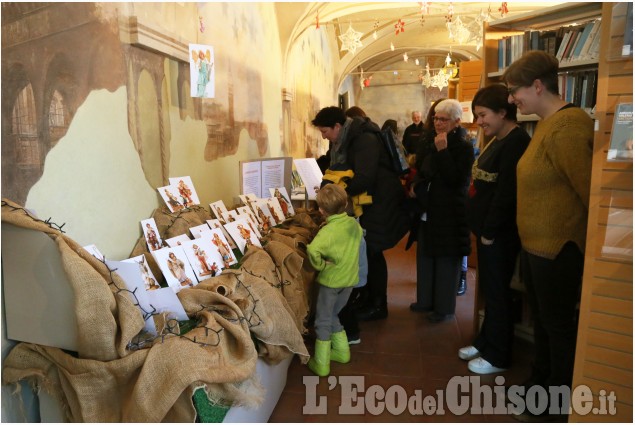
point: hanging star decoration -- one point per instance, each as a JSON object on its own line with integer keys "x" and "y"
{"x": 351, "y": 40}
{"x": 317, "y": 21}
{"x": 503, "y": 9}
{"x": 448, "y": 17}
{"x": 201, "y": 24}
{"x": 405, "y": 57}
{"x": 426, "y": 79}
{"x": 361, "y": 79}
{"x": 425, "y": 7}
{"x": 416, "y": 61}
{"x": 399, "y": 26}
{"x": 392, "y": 47}
{"x": 375, "y": 28}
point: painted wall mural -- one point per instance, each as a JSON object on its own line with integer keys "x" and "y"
{"x": 84, "y": 85}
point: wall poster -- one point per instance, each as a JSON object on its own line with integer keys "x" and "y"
{"x": 201, "y": 70}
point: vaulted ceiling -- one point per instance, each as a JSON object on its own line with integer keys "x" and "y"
{"x": 424, "y": 37}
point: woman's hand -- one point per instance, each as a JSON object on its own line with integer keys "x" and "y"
{"x": 441, "y": 141}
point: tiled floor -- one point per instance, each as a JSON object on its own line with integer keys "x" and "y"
{"x": 405, "y": 350}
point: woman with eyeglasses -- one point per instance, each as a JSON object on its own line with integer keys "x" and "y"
{"x": 554, "y": 176}
{"x": 492, "y": 216}
{"x": 441, "y": 187}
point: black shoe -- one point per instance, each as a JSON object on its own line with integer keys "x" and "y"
{"x": 418, "y": 308}
{"x": 462, "y": 284}
{"x": 435, "y": 317}
{"x": 372, "y": 313}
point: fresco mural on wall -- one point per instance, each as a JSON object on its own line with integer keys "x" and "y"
{"x": 59, "y": 75}
{"x": 312, "y": 65}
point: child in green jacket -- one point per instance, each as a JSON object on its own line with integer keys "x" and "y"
{"x": 334, "y": 253}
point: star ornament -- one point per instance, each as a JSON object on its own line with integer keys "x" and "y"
{"x": 351, "y": 40}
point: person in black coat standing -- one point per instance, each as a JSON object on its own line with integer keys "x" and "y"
{"x": 356, "y": 146}
{"x": 441, "y": 188}
{"x": 492, "y": 213}
{"x": 413, "y": 133}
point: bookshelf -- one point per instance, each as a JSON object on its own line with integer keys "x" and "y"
{"x": 549, "y": 29}
{"x": 570, "y": 31}
{"x": 604, "y": 349}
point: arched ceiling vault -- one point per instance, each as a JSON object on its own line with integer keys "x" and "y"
{"x": 425, "y": 36}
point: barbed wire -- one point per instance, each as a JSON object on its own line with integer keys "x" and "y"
{"x": 48, "y": 221}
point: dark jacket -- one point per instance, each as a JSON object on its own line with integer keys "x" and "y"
{"x": 412, "y": 136}
{"x": 492, "y": 202}
{"x": 446, "y": 176}
{"x": 385, "y": 220}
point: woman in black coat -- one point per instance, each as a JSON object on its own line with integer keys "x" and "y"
{"x": 356, "y": 146}
{"x": 441, "y": 189}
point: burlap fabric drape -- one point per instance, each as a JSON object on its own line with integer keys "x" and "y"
{"x": 108, "y": 382}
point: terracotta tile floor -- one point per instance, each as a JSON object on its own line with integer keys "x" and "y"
{"x": 405, "y": 350}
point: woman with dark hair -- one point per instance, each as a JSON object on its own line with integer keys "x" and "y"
{"x": 492, "y": 216}
{"x": 554, "y": 180}
{"x": 356, "y": 146}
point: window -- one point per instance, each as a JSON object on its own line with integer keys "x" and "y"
{"x": 24, "y": 129}
{"x": 57, "y": 118}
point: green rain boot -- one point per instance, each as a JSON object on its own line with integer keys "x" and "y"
{"x": 320, "y": 363}
{"x": 340, "y": 351}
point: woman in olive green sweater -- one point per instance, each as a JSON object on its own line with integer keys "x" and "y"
{"x": 553, "y": 176}
{"x": 334, "y": 253}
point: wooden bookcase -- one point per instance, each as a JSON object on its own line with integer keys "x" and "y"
{"x": 557, "y": 20}
{"x": 551, "y": 21}
{"x": 604, "y": 353}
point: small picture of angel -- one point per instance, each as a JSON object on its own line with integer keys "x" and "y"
{"x": 201, "y": 70}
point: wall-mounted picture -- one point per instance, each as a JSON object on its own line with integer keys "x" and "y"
{"x": 150, "y": 282}
{"x": 216, "y": 224}
{"x": 177, "y": 240}
{"x": 151, "y": 233}
{"x": 201, "y": 70}
{"x": 218, "y": 208}
{"x": 280, "y": 193}
{"x": 221, "y": 245}
{"x": 186, "y": 190}
{"x": 170, "y": 195}
{"x": 204, "y": 258}
{"x": 175, "y": 267}
{"x": 197, "y": 230}
{"x": 242, "y": 234}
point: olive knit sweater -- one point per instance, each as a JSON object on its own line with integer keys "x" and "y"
{"x": 554, "y": 177}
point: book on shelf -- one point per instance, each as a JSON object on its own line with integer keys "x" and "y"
{"x": 595, "y": 30}
{"x": 563, "y": 45}
{"x": 584, "y": 35}
{"x": 621, "y": 148}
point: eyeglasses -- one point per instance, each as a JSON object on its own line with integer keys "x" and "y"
{"x": 442, "y": 119}
{"x": 513, "y": 89}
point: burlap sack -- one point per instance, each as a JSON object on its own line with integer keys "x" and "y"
{"x": 106, "y": 382}
{"x": 289, "y": 264}
{"x": 178, "y": 223}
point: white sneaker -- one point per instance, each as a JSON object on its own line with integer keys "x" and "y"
{"x": 468, "y": 353}
{"x": 483, "y": 367}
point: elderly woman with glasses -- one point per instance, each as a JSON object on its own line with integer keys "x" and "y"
{"x": 441, "y": 188}
{"x": 553, "y": 178}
